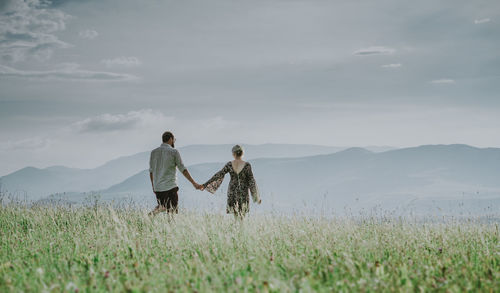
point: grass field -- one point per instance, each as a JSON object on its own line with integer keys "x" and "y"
{"x": 101, "y": 249}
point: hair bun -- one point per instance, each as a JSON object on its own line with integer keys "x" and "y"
{"x": 237, "y": 150}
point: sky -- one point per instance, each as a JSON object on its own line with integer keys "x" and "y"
{"x": 84, "y": 82}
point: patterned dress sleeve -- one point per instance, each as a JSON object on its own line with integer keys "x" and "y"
{"x": 252, "y": 185}
{"x": 213, "y": 183}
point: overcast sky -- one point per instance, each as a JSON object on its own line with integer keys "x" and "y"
{"x": 83, "y": 82}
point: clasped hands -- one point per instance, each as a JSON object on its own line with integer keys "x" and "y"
{"x": 198, "y": 186}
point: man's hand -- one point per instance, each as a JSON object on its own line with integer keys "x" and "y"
{"x": 197, "y": 186}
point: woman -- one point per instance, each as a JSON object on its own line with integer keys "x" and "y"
{"x": 242, "y": 181}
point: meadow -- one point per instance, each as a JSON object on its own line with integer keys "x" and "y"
{"x": 97, "y": 249}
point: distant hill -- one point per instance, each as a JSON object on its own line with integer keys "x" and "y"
{"x": 434, "y": 179}
{"x": 38, "y": 183}
{"x": 420, "y": 178}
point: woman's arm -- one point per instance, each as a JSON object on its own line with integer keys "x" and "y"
{"x": 252, "y": 185}
{"x": 213, "y": 183}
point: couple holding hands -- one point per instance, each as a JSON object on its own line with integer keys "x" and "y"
{"x": 162, "y": 171}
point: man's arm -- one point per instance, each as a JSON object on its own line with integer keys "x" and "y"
{"x": 151, "y": 161}
{"x": 188, "y": 177}
{"x": 185, "y": 172}
{"x": 151, "y": 177}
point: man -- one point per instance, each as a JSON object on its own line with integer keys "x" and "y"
{"x": 162, "y": 173}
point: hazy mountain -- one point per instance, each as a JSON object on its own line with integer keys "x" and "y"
{"x": 426, "y": 178}
{"x": 37, "y": 183}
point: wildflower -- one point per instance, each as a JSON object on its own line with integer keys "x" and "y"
{"x": 71, "y": 286}
{"x": 238, "y": 280}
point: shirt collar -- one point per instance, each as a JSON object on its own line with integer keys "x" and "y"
{"x": 166, "y": 145}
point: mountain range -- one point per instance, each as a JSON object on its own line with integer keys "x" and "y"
{"x": 35, "y": 183}
{"x": 435, "y": 179}
{"x": 430, "y": 178}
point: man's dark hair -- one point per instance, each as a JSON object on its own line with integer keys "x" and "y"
{"x": 166, "y": 136}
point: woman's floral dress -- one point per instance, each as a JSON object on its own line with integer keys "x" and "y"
{"x": 239, "y": 186}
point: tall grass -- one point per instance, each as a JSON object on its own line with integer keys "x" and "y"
{"x": 102, "y": 249}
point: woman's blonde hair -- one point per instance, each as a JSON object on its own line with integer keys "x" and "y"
{"x": 237, "y": 150}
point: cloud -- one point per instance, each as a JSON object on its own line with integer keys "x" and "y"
{"x": 66, "y": 71}
{"x": 35, "y": 143}
{"x": 218, "y": 123}
{"x": 483, "y": 20}
{"x": 392, "y": 65}
{"x": 27, "y": 30}
{"x": 122, "y": 62}
{"x": 118, "y": 122}
{"x": 148, "y": 121}
{"x": 376, "y": 50}
{"x": 443, "y": 81}
{"x": 88, "y": 34}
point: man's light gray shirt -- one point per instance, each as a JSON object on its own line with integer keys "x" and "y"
{"x": 162, "y": 164}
